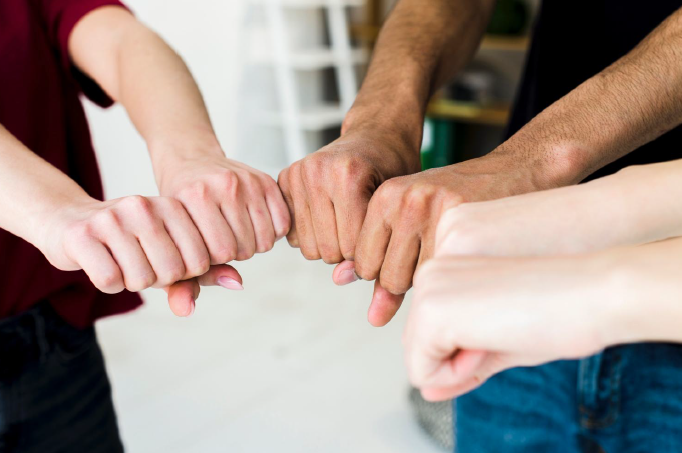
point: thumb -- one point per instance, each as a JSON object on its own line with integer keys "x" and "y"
{"x": 182, "y": 296}
{"x": 344, "y": 273}
{"x": 384, "y": 306}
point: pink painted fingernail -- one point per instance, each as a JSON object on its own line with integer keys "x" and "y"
{"x": 230, "y": 283}
{"x": 348, "y": 276}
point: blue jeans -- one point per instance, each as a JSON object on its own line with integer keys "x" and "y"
{"x": 627, "y": 399}
{"x": 54, "y": 392}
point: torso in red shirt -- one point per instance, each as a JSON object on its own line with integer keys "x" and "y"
{"x": 39, "y": 104}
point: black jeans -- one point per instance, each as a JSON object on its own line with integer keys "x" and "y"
{"x": 55, "y": 396}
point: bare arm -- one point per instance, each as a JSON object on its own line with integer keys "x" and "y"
{"x": 632, "y": 102}
{"x": 132, "y": 242}
{"x": 238, "y": 210}
{"x": 422, "y": 46}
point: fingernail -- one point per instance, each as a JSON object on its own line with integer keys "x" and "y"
{"x": 192, "y": 306}
{"x": 348, "y": 276}
{"x": 230, "y": 283}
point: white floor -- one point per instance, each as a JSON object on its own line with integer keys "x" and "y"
{"x": 288, "y": 365}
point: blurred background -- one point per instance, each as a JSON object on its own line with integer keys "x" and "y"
{"x": 290, "y": 364}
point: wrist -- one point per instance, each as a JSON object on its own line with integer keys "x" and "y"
{"x": 398, "y": 113}
{"x": 548, "y": 164}
{"x": 171, "y": 154}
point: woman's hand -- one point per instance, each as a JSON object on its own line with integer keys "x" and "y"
{"x": 474, "y": 317}
{"x": 131, "y": 243}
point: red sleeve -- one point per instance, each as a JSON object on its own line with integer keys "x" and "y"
{"x": 60, "y": 17}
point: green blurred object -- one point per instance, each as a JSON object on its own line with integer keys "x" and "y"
{"x": 439, "y": 145}
{"x": 510, "y": 17}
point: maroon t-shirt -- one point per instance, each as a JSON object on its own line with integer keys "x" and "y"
{"x": 40, "y": 105}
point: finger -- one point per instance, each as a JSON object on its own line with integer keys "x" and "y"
{"x": 125, "y": 248}
{"x": 400, "y": 263}
{"x": 215, "y": 231}
{"x": 186, "y": 237}
{"x": 261, "y": 222}
{"x": 324, "y": 227}
{"x": 350, "y": 215}
{"x": 94, "y": 258}
{"x": 162, "y": 254}
{"x": 223, "y": 275}
{"x": 371, "y": 249}
{"x": 481, "y": 367}
{"x": 182, "y": 297}
{"x": 304, "y": 224}
{"x": 448, "y": 393}
{"x": 279, "y": 211}
{"x": 344, "y": 273}
{"x": 384, "y": 306}
{"x": 284, "y": 183}
{"x": 239, "y": 220}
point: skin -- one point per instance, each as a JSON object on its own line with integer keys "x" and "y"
{"x": 632, "y": 102}
{"x": 238, "y": 210}
{"x": 635, "y": 206}
{"x": 328, "y": 192}
{"x": 212, "y": 210}
{"x": 557, "y": 277}
{"x": 462, "y": 329}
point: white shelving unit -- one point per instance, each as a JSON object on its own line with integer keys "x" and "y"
{"x": 307, "y": 38}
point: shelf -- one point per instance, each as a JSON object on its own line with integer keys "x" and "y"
{"x": 308, "y": 60}
{"x": 497, "y": 115}
{"x": 369, "y": 33}
{"x": 507, "y": 43}
{"x": 310, "y": 3}
{"x": 317, "y": 118}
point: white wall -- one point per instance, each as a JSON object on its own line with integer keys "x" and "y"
{"x": 208, "y": 34}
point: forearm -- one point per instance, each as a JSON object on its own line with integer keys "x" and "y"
{"x": 421, "y": 46}
{"x": 646, "y": 293}
{"x": 139, "y": 70}
{"x": 632, "y": 102}
{"x": 31, "y": 191}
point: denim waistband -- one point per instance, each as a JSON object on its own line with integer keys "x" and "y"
{"x": 27, "y": 337}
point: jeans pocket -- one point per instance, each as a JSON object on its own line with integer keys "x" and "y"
{"x": 74, "y": 343}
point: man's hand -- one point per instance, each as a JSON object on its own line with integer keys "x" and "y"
{"x": 400, "y": 226}
{"x": 328, "y": 191}
{"x": 474, "y": 317}
{"x": 238, "y": 210}
{"x": 129, "y": 243}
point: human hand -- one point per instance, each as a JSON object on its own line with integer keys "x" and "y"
{"x": 399, "y": 230}
{"x": 129, "y": 243}
{"x": 328, "y": 191}
{"x": 473, "y": 317}
{"x": 238, "y": 210}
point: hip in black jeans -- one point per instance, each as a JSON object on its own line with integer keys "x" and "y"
{"x": 54, "y": 393}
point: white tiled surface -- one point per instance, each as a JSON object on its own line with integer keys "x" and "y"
{"x": 288, "y": 365}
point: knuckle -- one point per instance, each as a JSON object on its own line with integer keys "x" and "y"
{"x": 418, "y": 197}
{"x": 365, "y": 272}
{"x": 197, "y": 192}
{"x": 109, "y": 282}
{"x": 330, "y": 254}
{"x": 228, "y": 182}
{"x": 138, "y": 204}
{"x": 200, "y": 268}
{"x": 171, "y": 276}
{"x": 265, "y": 245}
{"x": 107, "y": 219}
{"x": 222, "y": 256}
{"x": 142, "y": 282}
{"x": 311, "y": 254}
{"x": 393, "y": 283}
